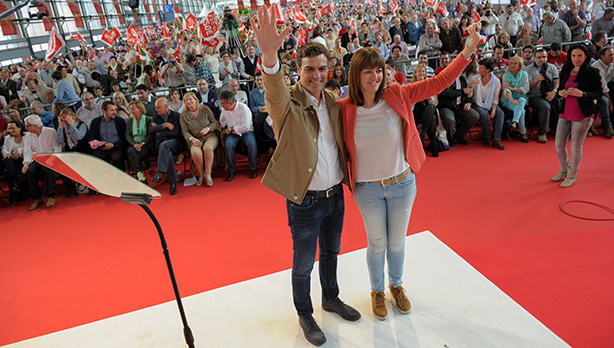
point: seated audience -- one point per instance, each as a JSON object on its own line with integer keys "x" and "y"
{"x": 169, "y": 143}
{"x": 107, "y": 136}
{"x": 514, "y": 98}
{"x": 140, "y": 141}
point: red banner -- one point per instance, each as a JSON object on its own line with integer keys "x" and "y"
{"x": 76, "y": 12}
{"x": 98, "y": 7}
{"x": 116, "y": 33}
{"x": 267, "y": 2}
{"x": 7, "y": 24}
{"x": 209, "y": 27}
{"x": 135, "y": 12}
{"x": 146, "y": 6}
{"x": 283, "y": 2}
{"x": 253, "y": 5}
{"x": 107, "y": 38}
{"x": 120, "y": 15}
{"x": 240, "y": 6}
{"x": 47, "y": 21}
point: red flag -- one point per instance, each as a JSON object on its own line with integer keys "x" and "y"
{"x": 91, "y": 55}
{"x": 167, "y": 35}
{"x": 98, "y": 7}
{"x": 280, "y": 17}
{"x": 8, "y": 27}
{"x": 116, "y": 33}
{"x": 441, "y": 8}
{"x": 191, "y": 22}
{"x": 529, "y": 3}
{"x": 177, "y": 52}
{"x": 253, "y": 5}
{"x": 240, "y": 5}
{"x": 120, "y": 15}
{"x": 393, "y": 6}
{"x": 151, "y": 31}
{"x": 55, "y": 44}
{"x": 47, "y": 21}
{"x": 411, "y": 3}
{"x": 541, "y": 42}
{"x": 298, "y": 15}
{"x": 430, "y": 3}
{"x": 79, "y": 37}
{"x": 475, "y": 17}
{"x": 267, "y": 2}
{"x": 107, "y": 38}
{"x": 131, "y": 32}
{"x": 76, "y": 12}
{"x": 259, "y": 64}
{"x": 209, "y": 27}
{"x": 146, "y": 7}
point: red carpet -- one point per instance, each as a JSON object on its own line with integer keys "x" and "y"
{"x": 90, "y": 258}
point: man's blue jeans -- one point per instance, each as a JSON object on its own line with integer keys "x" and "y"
{"x": 313, "y": 219}
{"x": 231, "y": 142}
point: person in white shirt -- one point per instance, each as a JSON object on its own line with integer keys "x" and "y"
{"x": 511, "y": 22}
{"x": 236, "y": 121}
{"x": 38, "y": 139}
{"x": 240, "y": 96}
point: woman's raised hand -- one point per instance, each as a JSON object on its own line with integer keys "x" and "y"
{"x": 269, "y": 39}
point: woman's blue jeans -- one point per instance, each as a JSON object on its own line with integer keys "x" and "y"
{"x": 385, "y": 211}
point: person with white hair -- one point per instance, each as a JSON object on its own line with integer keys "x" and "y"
{"x": 38, "y": 139}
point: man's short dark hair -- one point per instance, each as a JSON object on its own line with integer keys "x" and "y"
{"x": 311, "y": 49}
{"x": 422, "y": 54}
{"x": 105, "y": 104}
{"x": 332, "y": 83}
{"x": 190, "y": 58}
{"x": 444, "y": 53}
{"x": 529, "y": 46}
{"x": 227, "y": 96}
{"x": 391, "y": 63}
{"x": 397, "y": 47}
{"x": 499, "y": 46}
{"x": 95, "y": 75}
{"x": 539, "y": 50}
{"x": 555, "y": 46}
{"x": 142, "y": 87}
{"x": 599, "y": 35}
{"x": 56, "y": 75}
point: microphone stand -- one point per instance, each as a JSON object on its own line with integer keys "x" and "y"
{"x": 142, "y": 200}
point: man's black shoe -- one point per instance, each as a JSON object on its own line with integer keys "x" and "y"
{"x": 157, "y": 179}
{"x": 254, "y": 174}
{"x": 231, "y": 176}
{"x": 312, "y": 331}
{"x": 346, "y": 312}
{"x": 462, "y": 141}
{"x": 173, "y": 189}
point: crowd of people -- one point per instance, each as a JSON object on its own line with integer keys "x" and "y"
{"x": 209, "y": 102}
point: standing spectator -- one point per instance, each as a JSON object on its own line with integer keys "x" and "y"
{"x": 256, "y": 97}
{"x": 511, "y": 22}
{"x": 554, "y": 29}
{"x": 90, "y": 109}
{"x": 189, "y": 74}
{"x": 65, "y": 93}
{"x": 7, "y": 83}
{"x": 44, "y": 72}
{"x": 605, "y": 23}
{"x": 492, "y": 20}
{"x": 415, "y": 29}
{"x": 396, "y": 43}
{"x": 451, "y": 40}
{"x": 201, "y": 71}
{"x": 576, "y": 21}
{"x": 108, "y": 136}
{"x": 532, "y": 19}
{"x": 580, "y": 92}
{"x": 381, "y": 46}
{"x": 396, "y": 28}
{"x": 115, "y": 66}
{"x": 250, "y": 63}
{"x": 430, "y": 44}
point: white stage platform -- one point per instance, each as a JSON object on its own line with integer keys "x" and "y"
{"x": 454, "y": 306}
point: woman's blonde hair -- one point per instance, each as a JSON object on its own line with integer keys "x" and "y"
{"x": 519, "y": 60}
{"x": 122, "y": 96}
{"x": 419, "y": 66}
{"x": 189, "y": 95}
{"x": 139, "y": 105}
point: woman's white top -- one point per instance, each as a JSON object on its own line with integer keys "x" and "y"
{"x": 10, "y": 146}
{"x": 379, "y": 138}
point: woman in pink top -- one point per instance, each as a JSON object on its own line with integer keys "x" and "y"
{"x": 579, "y": 94}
